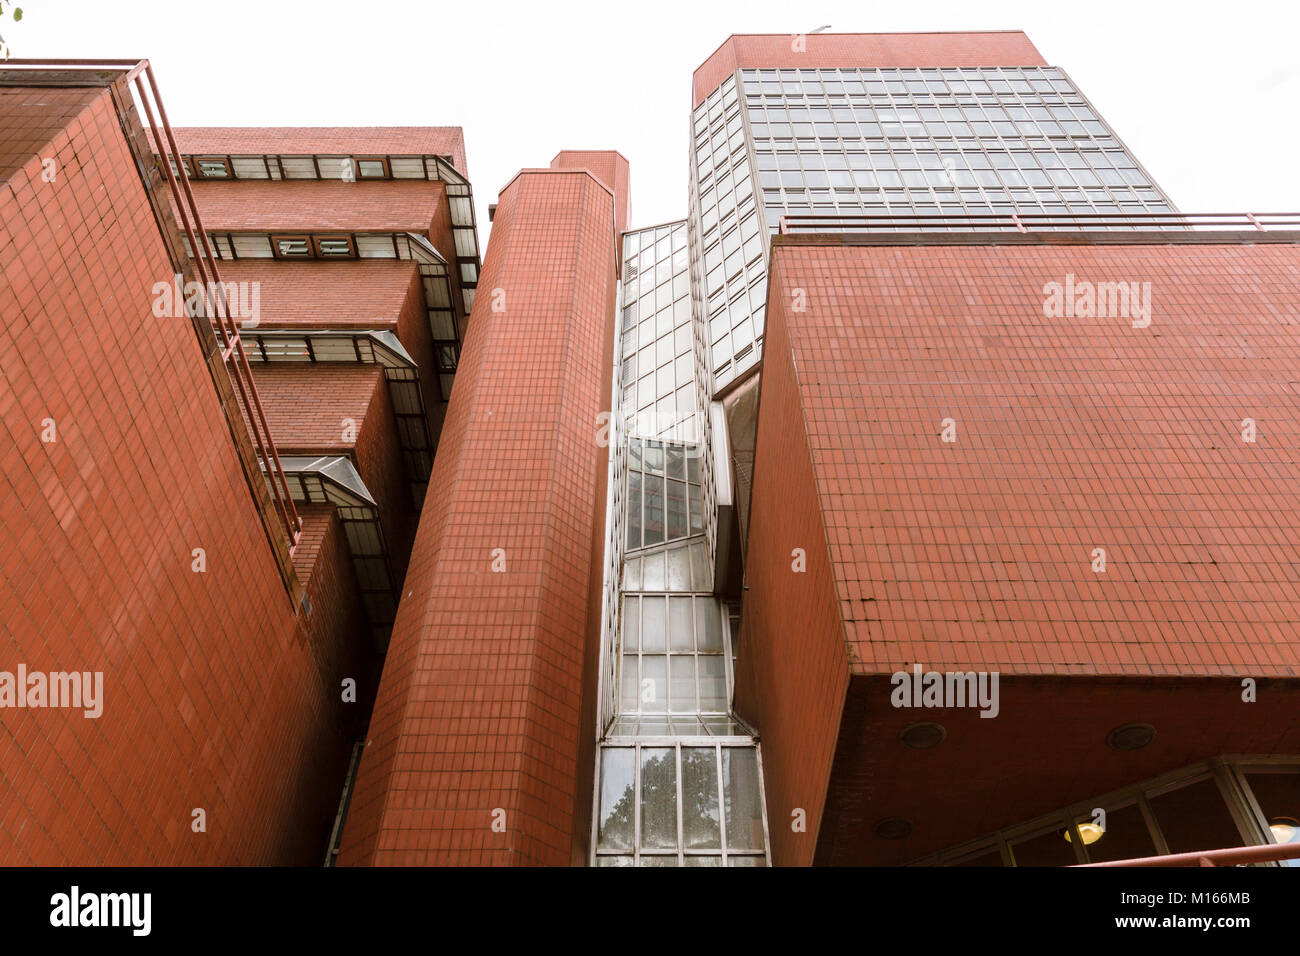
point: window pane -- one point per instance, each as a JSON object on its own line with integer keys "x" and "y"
{"x": 744, "y": 807}
{"x": 683, "y": 684}
{"x": 1195, "y": 818}
{"x": 700, "y": 827}
{"x": 616, "y": 796}
{"x": 634, "y": 509}
{"x": 655, "y": 624}
{"x": 654, "y": 458}
{"x": 654, "y": 509}
{"x": 654, "y": 684}
{"x": 676, "y": 459}
{"x": 677, "y": 517}
{"x": 653, "y": 567}
{"x": 1046, "y": 849}
{"x": 1278, "y": 793}
{"x": 631, "y": 685}
{"x": 631, "y": 623}
{"x": 678, "y": 570}
{"x": 659, "y": 798}
{"x": 709, "y": 625}
{"x": 713, "y": 682}
{"x": 1124, "y": 838}
{"x": 680, "y": 624}
{"x": 985, "y": 858}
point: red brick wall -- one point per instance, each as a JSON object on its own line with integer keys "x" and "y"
{"x": 863, "y": 50}
{"x": 212, "y": 697}
{"x": 314, "y": 205}
{"x": 306, "y": 406}
{"x": 321, "y": 294}
{"x": 479, "y": 705}
{"x": 610, "y": 167}
{"x": 417, "y": 338}
{"x": 379, "y": 462}
{"x": 1072, "y": 433}
{"x": 792, "y": 669}
{"x": 336, "y": 627}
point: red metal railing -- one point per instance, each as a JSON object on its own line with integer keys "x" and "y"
{"x": 1267, "y": 853}
{"x": 1027, "y": 221}
{"x": 140, "y": 72}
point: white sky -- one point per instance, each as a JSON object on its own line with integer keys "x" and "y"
{"x": 1206, "y": 94}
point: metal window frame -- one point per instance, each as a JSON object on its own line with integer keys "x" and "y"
{"x": 197, "y": 161}
{"x": 276, "y": 252}
{"x": 1226, "y": 771}
{"x": 382, "y": 160}
{"x": 724, "y": 654}
{"x": 680, "y": 853}
{"x": 318, "y": 248}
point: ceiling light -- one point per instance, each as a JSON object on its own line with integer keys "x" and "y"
{"x": 1131, "y": 736}
{"x": 1284, "y": 828}
{"x": 922, "y": 735}
{"x": 1090, "y": 832}
{"x": 893, "y": 828}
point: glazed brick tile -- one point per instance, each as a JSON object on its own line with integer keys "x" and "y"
{"x": 481, "y": 701}
{"x": 98, "y": 571}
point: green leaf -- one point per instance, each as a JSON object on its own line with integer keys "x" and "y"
{"x": 18, "y": 13}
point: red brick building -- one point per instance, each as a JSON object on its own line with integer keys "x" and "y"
{"x": 477, "y": 752}
{"x": 144, "y": 543}
{"x": 922, "y": 497}
{"x": 1072, "y": 434}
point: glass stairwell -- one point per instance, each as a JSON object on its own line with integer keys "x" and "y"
{"x": 678, "y": 775}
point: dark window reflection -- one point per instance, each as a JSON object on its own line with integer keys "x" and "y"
{"x": 1048, "y": 849}
{"x": 1195, "y": 818}
{"x": 990, "y": 857}
{"x": 1125, "y": 836}
{"x": 1278, "y": 794}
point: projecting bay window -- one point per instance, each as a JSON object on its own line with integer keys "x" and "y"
{"x": 666, "y": 803}
{"x": 1220, "y": 804}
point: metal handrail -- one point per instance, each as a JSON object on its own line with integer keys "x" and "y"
{"x": 1027, "y": 221}
{"x": 1232, "y": 856}
{"x": 214, "y": 292}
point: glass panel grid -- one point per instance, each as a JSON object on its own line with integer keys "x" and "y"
{"x": 913, "y": 141}
{"x": 681, "y": 804}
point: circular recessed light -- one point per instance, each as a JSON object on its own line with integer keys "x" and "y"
{"x": 1131, "y": 736}
{"x": 1284, "y": 828}
{"x": 893, "y": 828}
{"x": 922, "y": 735}
{"x": 1090, "y": 832}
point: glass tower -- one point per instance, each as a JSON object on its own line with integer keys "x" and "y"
{"x": 679, "y": 774}
{"x": 884, "y": 142}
